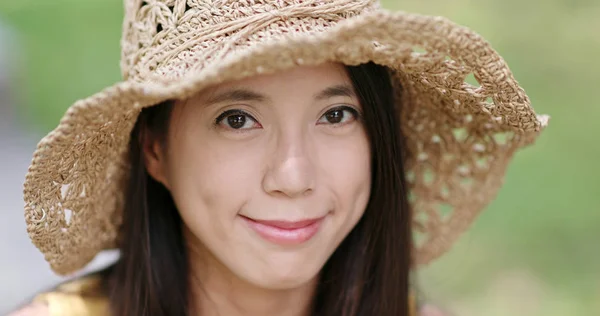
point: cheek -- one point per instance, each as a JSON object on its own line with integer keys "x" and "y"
{"x": 210, "y": 182}
{"x": 346, "y": 168}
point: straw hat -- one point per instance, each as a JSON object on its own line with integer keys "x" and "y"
{"x": 460, "y": 137}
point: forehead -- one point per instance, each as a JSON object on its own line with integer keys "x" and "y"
{"x": 321, "y": 81}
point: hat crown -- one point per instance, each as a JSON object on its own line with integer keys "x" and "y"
{"x": 157, "y": 31}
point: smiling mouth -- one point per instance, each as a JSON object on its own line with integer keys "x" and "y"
{"x": 285, "y": 232}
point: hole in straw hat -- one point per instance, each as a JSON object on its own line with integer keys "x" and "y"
{"x": 419, "y": 238}
{"x": 463, "y": 170}
{"x": 410, "y": 176}
{"x": 460, "y": 134}
{"x": 63, "y": 191}
{"x": 171, "y": 8}
{"x": 445, "y": 210}
{"x": 421, "y": 218}
{"x": 419, "y": 50}
{"x": 159, "y": 28}
{"x": 444, "y": 192}
{"x": 467, "y": 181}
{"x": 68, "y": 215}
{"x": 482, "y": 163}
{"x": 447, "y": 156}
{"x": 470, "y": 79}
{"x": 187, "y": 6}
{"x": 411, "y": 196}
{"x": 502, "y": 138}
{"x": 144, "y": 3}
{"x": 428, "y": 176}
{"x": 479, "y": 147}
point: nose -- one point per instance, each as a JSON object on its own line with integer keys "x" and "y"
{"x": 290, "y": 171}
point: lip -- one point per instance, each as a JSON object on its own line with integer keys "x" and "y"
{"x": 285, "y": 232}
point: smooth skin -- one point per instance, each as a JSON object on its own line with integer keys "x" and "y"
{"x": 288, "y": 146}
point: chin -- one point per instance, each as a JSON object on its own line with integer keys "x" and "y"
{"x": 285, "y": 282}
{"x": 282, "y": 275}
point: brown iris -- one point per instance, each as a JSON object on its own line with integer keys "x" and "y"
{"x": 236, "y": 121}
{"x": 335, "y": 116}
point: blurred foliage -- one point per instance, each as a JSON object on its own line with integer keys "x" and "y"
{"x": 534, "y": 251}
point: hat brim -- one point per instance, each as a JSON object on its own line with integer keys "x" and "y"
{"x": 460, "y": 137}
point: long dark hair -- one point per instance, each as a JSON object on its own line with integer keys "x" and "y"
{"x": 367, "y": 275}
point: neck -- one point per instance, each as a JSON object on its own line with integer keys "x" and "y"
{"x": 216, "y": 291}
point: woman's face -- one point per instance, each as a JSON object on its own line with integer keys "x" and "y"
{"x": 269, "y": 173}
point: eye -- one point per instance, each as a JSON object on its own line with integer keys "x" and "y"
{"x": 237, "y": 120}
{"x": 339, "y": 115}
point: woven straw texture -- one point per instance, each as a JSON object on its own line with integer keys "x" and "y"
{"x": 460, "y": 137}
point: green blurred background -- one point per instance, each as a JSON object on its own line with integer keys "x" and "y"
{"x": 533, "y": 252}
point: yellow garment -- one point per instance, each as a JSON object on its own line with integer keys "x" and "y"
{"x": 69, "y": 299}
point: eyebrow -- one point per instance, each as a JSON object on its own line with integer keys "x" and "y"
{"x": 236, "y": 95}
{"x": 239, "y": 95}
{"x": 341, "y": 90}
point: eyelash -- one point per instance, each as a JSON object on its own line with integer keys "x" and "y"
{"x": 354, "y": 112}
{"x": 219, "y": 120}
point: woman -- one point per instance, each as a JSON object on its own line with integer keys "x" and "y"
{"x": 273, "y": 158}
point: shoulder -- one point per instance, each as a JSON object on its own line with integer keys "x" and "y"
{"x": 431, "y": 310}
{"x": 33, "y": 309}
{"x": 420, "y": 307}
